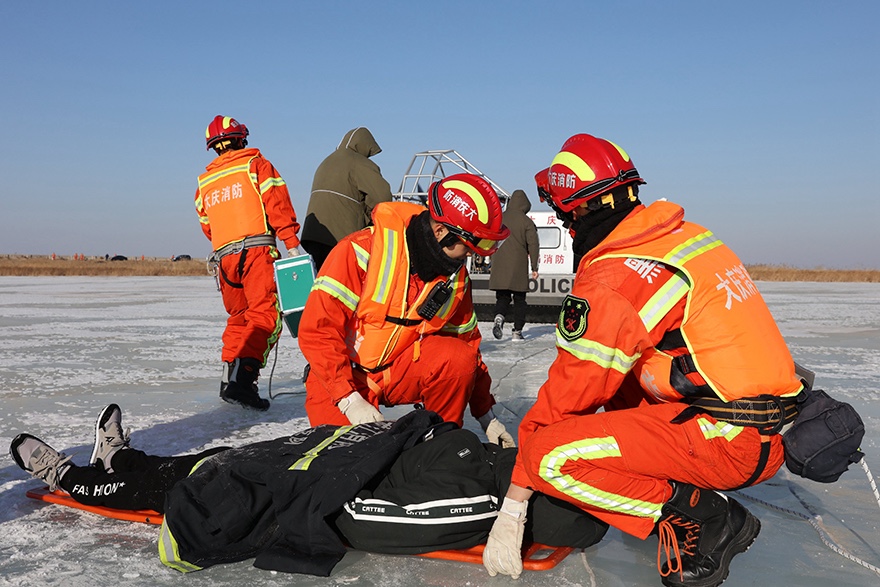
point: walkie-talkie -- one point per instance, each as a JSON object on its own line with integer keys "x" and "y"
{"x": 438, "y": 296}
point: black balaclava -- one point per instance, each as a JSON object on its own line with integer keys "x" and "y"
{"x": 426, "y": 256}
{"x": 590, "y": 230}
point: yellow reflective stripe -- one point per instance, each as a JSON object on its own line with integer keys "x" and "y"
{"x": 273, "y": 337}
{"x": 386, "y": 266}
{"x": 456, "y": 285}
{"x": 476, "y": 197}
{"x": 692, "y": 247}
{"x": 591, "y": 449}
{"x": 223, "y": 173}
{"x": 604, "y": 356}
{"x": 169, "y": 553}
{"x": 461, "y": 328}
{"x": 337, "y": 290}
{"x": 269, "y": 183}
{"x": 662, "y": 302}
{"x": 362, "y": 255}
{"x": 576, "y": 164}
{"x": 718, "y": 429}
{"x": 306, "y": 460}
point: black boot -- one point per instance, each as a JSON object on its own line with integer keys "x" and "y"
{"x": 242, "y": 387}
{"x": 701, "y": 531}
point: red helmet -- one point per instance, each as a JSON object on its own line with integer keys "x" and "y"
{"x": 587, "y": 167}
{"x": 223, "y": 128}
{"x": 542, "y": 180}
{"x": 469, "y": 208}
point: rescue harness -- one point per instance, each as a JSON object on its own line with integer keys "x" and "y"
{"x": 213, "y": 260}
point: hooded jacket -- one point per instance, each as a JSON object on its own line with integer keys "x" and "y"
{"x": 510, "y": 264}
{"x": 346, "y": 188}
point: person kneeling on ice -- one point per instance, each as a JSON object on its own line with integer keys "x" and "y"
{"x": 407, "y": 487}
{"x": 665, "y": 329}
{"x": 390, "y": 320}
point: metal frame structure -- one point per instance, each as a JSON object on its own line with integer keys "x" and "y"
{"x": 429, "y": 166}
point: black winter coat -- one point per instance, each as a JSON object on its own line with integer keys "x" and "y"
{"x": 269, "y": 500}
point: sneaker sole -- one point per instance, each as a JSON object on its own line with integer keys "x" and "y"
{"x": 740, "y": 543}
{"x": 99, "y": 423}
{"x": 13, "y": 450}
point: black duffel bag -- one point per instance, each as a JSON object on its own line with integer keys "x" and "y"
{"x": 824, "y": 439}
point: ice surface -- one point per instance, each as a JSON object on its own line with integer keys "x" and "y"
{"x": 71, "y": 345}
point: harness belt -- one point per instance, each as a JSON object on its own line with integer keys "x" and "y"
{"x": 768, "y": 413}
{"x": 213, "y": 260}
{"x": 260, "y": 240}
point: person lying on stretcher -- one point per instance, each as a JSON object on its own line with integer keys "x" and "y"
{"x": 407, "y": 487}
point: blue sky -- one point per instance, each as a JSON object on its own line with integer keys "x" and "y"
{"x": 761, "y": 118}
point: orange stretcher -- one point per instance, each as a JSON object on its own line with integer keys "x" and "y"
{"x": 536, "y": 557}
{"x": 63, "y": 498}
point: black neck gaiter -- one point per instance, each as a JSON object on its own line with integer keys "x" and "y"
{"x": 426, "y": 256}
{"x": 590, "y": 230}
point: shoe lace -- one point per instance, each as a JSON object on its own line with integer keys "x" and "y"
{"x": 116, "y": 437}
{"x": 47, "y": 467}
{"x": 670, "y": 543}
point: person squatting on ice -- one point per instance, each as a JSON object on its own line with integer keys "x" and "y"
{"x": 390, "y": 319}
{"x": 407, "y": 487}
{"x": 509, "y": 276}
{"x": 243, "y": 204}
{"x": 666, "y": 331}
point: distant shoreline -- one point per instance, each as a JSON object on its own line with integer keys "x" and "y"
{"x": 41, "y": 265}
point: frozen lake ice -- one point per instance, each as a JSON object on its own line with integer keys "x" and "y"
{"x": 71, "y": 345}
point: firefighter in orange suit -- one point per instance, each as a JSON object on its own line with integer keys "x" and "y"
{"x": 390, "y": 319}
{"x": 243, "y": 205}
{"x": 666, "y": 331}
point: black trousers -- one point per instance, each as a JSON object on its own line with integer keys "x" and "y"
{"x": 318, "y": 251}
{"x": 138, "y": 481}
{"x": 502, "y": 303}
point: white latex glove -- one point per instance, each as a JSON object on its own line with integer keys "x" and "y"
{"x": 294, "y": 252}
{"x": 495, "y": 430}
{"x": 503, "y": 552}
{"x": 358, "y": 410}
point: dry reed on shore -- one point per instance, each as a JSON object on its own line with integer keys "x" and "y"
{"x": 33, "y": 265}
{"x": 22, "y": 265}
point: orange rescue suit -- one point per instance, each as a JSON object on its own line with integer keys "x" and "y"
{"x": 657, "y": 294}
{"x": 361, "y": 331}
{"x": 241, "y": 195}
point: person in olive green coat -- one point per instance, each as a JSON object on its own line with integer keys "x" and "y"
{"x": 346, "y": 188}
{"x": 509, "y": 276}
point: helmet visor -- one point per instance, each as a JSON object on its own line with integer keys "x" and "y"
{"x": 481, "y": 246}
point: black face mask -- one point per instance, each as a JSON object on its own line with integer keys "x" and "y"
{"x": 590, "y": 230}
{"x": 426, "y": 256}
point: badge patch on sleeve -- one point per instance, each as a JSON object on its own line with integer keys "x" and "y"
{"x": 573, "y": 317}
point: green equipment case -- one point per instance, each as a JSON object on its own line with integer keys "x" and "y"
{"x": 294, "y": 278}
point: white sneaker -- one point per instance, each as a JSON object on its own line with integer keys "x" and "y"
{"x": 109, "y": 437}
{"x": 39, "y": 459}
{"x": 517, "y": 335}
{"x": 497, "y": 328}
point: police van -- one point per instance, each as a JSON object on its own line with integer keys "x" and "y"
{"x": 556, "y": 264}
{"x": 555, "y": 273}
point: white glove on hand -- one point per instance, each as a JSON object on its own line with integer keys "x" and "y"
{"x": 495, "y": 430}
{"x": 294, "y": 252}
{"x": 358, "y": 410}
{"x": 498, "y": 434}
{"x": 503, "y": 552}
